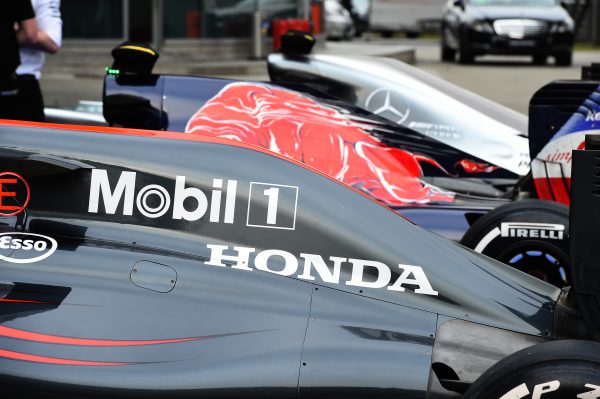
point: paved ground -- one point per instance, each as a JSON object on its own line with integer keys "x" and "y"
{"x": 508, "y": 80}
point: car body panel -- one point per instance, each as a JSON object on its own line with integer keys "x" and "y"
{"x": 562, "y": 114}
{"x": 414, "y": 99}
{"x": 225, "y": 108}
{"x": 250, "y": 328}
{"x": 173, "y": 102}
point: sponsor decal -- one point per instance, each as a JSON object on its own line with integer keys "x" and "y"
{"x": 522, "y": 230}
{"x": 532, "y": 230}
{"x": 274, "y": 194}
{"x": 14, "y": 194}
{"x": 540, "y": 390}
{"x": 551, "y": 169}
{"x": 437, "y": 130}
{"x": 592, "y": 117}
{"x": 320, "y": 136}
{"x": 154, "y": 201}
{"x": 29, "y": 247}
{"x": 265, "y": 205}
{"x": 388, "y": 104}
{"x": 365, "y": 273}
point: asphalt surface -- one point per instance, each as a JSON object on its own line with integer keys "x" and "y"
{"x": 510, "y": 81}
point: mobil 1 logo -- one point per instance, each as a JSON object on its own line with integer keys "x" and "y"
{"x": 272, "y": 206}
{"x": 269, "y": 205}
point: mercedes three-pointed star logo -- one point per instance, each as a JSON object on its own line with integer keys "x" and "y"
{"x": 388, "y": 104}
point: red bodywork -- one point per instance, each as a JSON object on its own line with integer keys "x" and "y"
{"x": 322, "y": 137}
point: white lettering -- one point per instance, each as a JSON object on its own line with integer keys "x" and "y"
{"x": 157, "y": 191}
{"x": 379, "y": 273}
{"x": 43, "y": 244}
{"x": 516, "y": 393}
{"x": 290, "y": 263}
{"x": 419, "y": 279}
{"x": 592, "y": 116}
{"x": 541, "y": 389}
{"x": 215, "y": 201}
{"x": 532, "y": 233}
{"x": 181, "y": 194}
{"x": 242, "y": 258}
{"x": 321, "y": 268}
{"x": 273, "y": 194}
{"x": 358, "y": 270}
{"x": 16, "y": 244}
{"x": 230, "y": 201}
{"x": 533, "y": 230}
{"x": 40, "y": 245}
{"x": 100, "y": 184}
{"x": 154, "y": 201}
{"x": 594, "y": 394}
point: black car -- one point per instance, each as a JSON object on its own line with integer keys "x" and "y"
{"x": 540, "y": 28}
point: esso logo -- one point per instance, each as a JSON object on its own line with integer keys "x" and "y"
{"x": 14, "y": 194}
{"x": 26, "y": 247}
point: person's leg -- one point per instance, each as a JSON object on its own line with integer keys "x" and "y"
{"x": 8, "y": 98}
{"x": 31, "y": 102}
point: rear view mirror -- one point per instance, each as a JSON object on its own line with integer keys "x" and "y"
{"x": 130, "y": 58}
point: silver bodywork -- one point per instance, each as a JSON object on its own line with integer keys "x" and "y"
{"x": 425, "y": 103}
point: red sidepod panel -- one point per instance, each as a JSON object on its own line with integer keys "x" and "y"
{"x": 319, "y": 136}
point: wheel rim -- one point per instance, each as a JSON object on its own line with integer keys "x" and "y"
{"x": 545, "y": 264}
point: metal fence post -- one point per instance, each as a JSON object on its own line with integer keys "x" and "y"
{"x": 257, "y": 37}
{"x": 594, "y": 22}
{"x": 158, "y": 14}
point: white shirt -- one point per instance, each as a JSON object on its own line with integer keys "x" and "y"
{"x": 47, "y": 16}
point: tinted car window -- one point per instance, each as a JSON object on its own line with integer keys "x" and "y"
{"x": 513, "y": 2}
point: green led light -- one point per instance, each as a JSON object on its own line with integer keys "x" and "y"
{"x": 112, "y": 72}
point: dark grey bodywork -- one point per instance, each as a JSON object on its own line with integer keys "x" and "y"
{"x": 251, "y": 333}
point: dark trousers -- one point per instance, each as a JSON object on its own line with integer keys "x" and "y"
{"x": 9, "y": 106}
{"x": 31, "y": 101}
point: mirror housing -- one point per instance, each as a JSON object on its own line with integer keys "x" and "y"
{"x": 131, "y": 58}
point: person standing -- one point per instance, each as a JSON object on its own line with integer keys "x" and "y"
{"x": 17, "y": 27}
{"x": 49, "y": 40}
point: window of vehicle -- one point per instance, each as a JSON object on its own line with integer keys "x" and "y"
{"x": 105, "y": 20}
{"x": 220, "y": 18}
{"x": 542, "y": 3}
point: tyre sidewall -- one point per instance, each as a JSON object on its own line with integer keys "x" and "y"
{"x": 554, "y": 379}
{"x": 564, "y": 369}
{"x": 521, "y": 227}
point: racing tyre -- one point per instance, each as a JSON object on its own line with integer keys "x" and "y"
{"x": 540, "y": 59}
{"x": 552, "y": 370}
{"x": 530, "y": 235}
{"x": 447, "y": 54}
{"x": 565, "y": 59}
{"x": 465, "y": 56}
